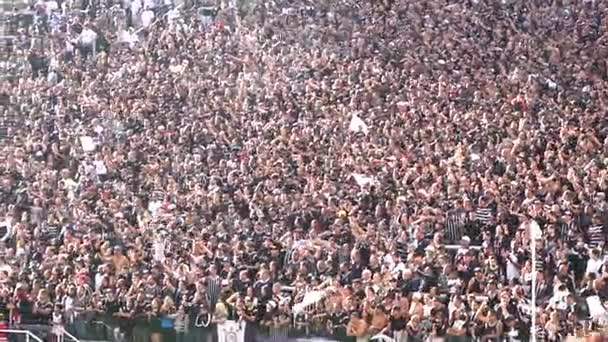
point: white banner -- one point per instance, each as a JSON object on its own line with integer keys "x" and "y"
{"x": 310, "y": 299}
{"x": 231, "y": 331}
{"x": 597, "y": 311}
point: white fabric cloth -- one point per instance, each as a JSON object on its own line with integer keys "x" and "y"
{"x": 88, "y": 145}
{"x": 363, "y": 180}
{"x": 382, "y": 338}
{"x": 311, "y": 298}
{"x": 128, "y": 38}
{"x": 100, "y": 167}
{"x": 87, "y": 37}
{"x": 231, "y": 331}
{"x": 358, "y": 125}
{"x": 512, "y": 269}
{"x": 596, "y": 309}
{"x": 147, "y": 18}
{"x": 159, "y": 250}
{"x": 51, "y": 6}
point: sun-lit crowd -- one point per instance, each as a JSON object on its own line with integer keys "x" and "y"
{"x": 175, "y": 167}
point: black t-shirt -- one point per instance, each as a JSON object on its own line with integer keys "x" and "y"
{"x": 356, "y": 271}
{"x": 44, "y": 317}
{"x": 338, "y": 318}
{"x": 398, "y": 324}
{"x": 475, "y": 286}
{"x": 25, "y": 307}
{"x": 125, "y": 323}
{"x": 151, "y": 291}
{"x": 4, "y": 301}
{"x": 440, "y": 326}
{"x": 112, "y": 306}
{"x": 241, "y": 286}
{"x": 260, "y": 285}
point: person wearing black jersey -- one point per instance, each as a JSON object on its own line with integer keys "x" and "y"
{"x": 438, "y": 322}
{"x": 397, "y": 323}
{"x": 125, "y": 314}
{"x": 6, "y": 303}
{"x": 337, "y": 320}
{"x": 490, "y": 328}
{"x": 477, "y": 283}
{"x": 43, "y": 307}
{"x": 201, "y": 328}
{"x": 513, "y": 329}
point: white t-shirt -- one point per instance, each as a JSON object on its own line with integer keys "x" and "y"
{"x": 593, "y": 266}
{"x": 98, "y": 279}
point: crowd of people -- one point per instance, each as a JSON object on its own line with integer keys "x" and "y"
{"x": 399, "y": 157}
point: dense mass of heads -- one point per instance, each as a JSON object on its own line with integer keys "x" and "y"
{"x": 232, "y": 165}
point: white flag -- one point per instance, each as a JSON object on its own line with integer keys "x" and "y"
{"x": 147, "y": 18}
{"x": 128, "y": 37}
{"x": 88, "y": 145}
{"x": 87, "y": 37}
{"x": 159, "y": 251}
{"x": 100, "y": 167}
{"x": 231, "y": 331}
{"x": 357, "y": 125}
{"x": 535, "y": 231}
{"x": 382, "y": 338}
{"x": 597, "y": 311}
{"x": 311, "y": 298}
{"x": 363, "y": 180}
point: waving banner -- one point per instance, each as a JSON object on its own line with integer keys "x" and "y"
{"x": 231, "y": 331}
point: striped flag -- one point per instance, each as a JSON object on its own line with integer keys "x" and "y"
{"x": 455, "y": 225}
{"x": 596, "y": 235}
{"x": 214, "y": 289}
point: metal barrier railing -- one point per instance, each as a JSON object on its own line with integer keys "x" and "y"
{"x": 64, "y": 333}
{"x": 29, "y": 336}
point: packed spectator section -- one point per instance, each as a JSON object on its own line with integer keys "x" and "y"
{"x": 336, "y": 169}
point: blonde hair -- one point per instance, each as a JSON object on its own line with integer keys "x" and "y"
{"x": 168, "y": 305}
{"x": 43, "y": 294}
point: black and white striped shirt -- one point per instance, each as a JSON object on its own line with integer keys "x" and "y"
{"x": 455, "y": 224}
{"x": 289, "y": 256}
{"x": 157, "y": 195}
{"x": 567, "y": 231}
{"x": 542, "y": 291}
{"x": 52, "y": 232}
{"x": 484, "y": 215}
{"x": 596, "y": 235}
{"x": 541, "y": 334}
{"x": 3, "y": 230}
{"x": 541, "y": 265}
{"x": 524, "y": 309}
{"x": 402, "y": 250}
